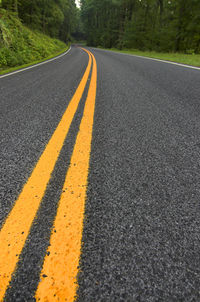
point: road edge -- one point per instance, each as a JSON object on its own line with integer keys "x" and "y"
{"x": 149, "y": 58}
{"x": 31, "y": 65}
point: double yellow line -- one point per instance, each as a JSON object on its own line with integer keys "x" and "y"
{"x": 61, "y": 266}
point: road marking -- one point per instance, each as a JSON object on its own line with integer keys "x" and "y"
{"x": 35, "y": 65}
{"x": 16, "y": 228}
{"x": 60, "y": 269}
{"x": 153, "y": 59}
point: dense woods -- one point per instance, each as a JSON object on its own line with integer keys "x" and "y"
{"x": 57, "y": 18}
{"x": 161, "y": 25}
{"x": 31, "y": 31}
{"x": 155, "y": 25}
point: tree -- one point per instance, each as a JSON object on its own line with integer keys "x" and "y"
{"x": 10, "y": 5}
{"x": 162, "y": 25}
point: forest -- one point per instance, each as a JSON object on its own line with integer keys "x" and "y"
{"x": 33, "y": 30}
{"x": 56, "y": 18}
{"x": 159, "y": 25}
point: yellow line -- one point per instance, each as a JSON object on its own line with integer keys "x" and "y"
{"x": 59, "y": 273}
{"x": 16, "y": 227}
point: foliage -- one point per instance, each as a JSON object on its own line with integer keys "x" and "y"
{"x": 20, "y": 45}
{"x": 57, "y": 18}
{"x": 161, "y": 25}
{"x": 189, "y": 59}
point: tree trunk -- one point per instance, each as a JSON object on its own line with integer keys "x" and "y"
{"x": 160, "y": 2}
{"x": 15, "y": 6}
{"x": 180, "y": 25}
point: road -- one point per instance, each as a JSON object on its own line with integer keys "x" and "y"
{"x": 100, "y": 180}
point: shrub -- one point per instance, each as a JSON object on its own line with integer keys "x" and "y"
{"x": 20, "y": 45}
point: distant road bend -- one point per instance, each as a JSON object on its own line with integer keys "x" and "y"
{"x": 100, "y": 180}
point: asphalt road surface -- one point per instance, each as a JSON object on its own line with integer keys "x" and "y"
{"x": 100, "y": 180}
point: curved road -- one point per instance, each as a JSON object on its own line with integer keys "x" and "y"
{"x": 137, "y": 231}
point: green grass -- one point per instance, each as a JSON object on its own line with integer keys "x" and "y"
{"x": 4, "y": 71}
{"x": 189, "y": 59}
{"x": 21, "y": 47}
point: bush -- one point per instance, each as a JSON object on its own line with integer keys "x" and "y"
{"x": 20, "y": 45}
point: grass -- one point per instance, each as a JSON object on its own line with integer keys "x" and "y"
{"x": 4, "y": 71}
{"x": 21, "y": 47}
{"x": 189, "y": 59}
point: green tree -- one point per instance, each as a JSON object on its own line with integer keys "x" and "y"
{"x": 10, "y": 4}
{"x": 162, "y": 25}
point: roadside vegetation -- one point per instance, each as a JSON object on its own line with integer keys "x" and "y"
{"x": 31, "y": 31}
{"x": 189, "y": 59}
{"x": 19, "y": 45}
{"x": 166, "y": 29}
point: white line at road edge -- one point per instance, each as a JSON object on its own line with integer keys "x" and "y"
{"x": 148, "y": 58}
{"x": 33, "y": 66}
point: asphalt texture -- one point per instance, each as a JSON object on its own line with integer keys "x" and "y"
{"x": 141, "y": 238}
